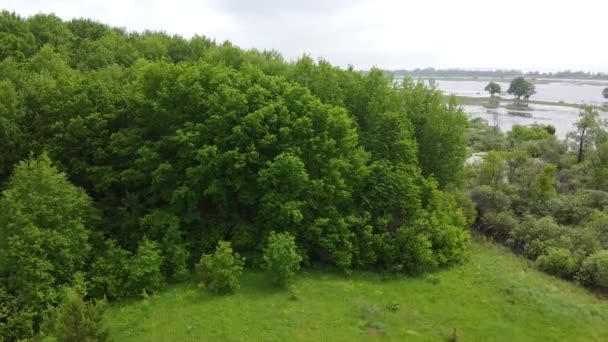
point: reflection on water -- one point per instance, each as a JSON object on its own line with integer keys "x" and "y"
{"x": 563, "y": 118}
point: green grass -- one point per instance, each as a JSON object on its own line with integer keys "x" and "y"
{"x": 495, "y": 296}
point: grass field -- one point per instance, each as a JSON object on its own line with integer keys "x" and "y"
{"x": 495, "y": 296}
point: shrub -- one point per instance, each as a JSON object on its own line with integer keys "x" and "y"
{"x": 281, "y": 258}
{"x": 498, "y": 225}
{"x": 77, "y": 320}
{"x": 488, "y": 199}
{"x": 558, "y": 262}
{"x": 144, "y": 269}
{"x": 594, "y": 271}
{"x": 533, "y": 237}
{"x": 221, "y": 270}
{"x": 109, "y": 272}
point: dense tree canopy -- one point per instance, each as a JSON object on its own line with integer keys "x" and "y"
{"x": 182, "y": 143}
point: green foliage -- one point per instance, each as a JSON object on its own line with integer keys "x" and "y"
{"x": 182, "y": 143}
{"x": 534, "y": 237}
{"x": 164, "y": 227}
{"x": 498, "y": 225}
{"x": 488, "y": 199}
{"x": 281, "y": 258}
{"x": 493, "y": 88}
{"x": 544, "y": 186}
{"x": 521, "y": 133}
{"x": 492, "y": 169}
{"x": 439, "y": 129}
{"x": 482, "y": 137}
{"x": 109, "y": 272}
{"x": 76, "y": 320}
{"x": 520, "y": 87}
{"x": 220, "y": 271}
{"x": 590, "y": 131}
{"x": 43, "y": 235}
{"x": 594, "y": 271}
{"x": 144, "y": 269}
{"x": 557, "y": 261}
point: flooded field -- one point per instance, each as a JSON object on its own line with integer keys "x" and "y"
{"x": 569, "y": 91}
{"x": 563, "y": 118}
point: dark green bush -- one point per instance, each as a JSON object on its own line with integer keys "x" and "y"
{"x": 557, "y": 261}
{"x": 533, "y": 237}
{"x": 281, "y": 258}
{"x": 498, "y": 225}
{"x": 220, "y": 271}
{"x": 108, "y": 274}
{"x": 488, "y": 199}
{"x": 594, "y": 270}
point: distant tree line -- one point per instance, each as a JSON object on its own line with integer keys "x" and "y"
{"x": 432, "y": 72}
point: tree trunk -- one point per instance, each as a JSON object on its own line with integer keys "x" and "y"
{"x": 580, "y": 146}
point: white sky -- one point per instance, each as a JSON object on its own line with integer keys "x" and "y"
{"x": 523, "y": 34}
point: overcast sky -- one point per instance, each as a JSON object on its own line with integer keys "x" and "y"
{"x": 523, "y": 34}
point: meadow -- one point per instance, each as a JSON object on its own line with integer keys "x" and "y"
{"x": 495, "y": 296}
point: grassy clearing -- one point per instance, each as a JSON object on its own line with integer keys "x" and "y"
{"x": 496, "y": 296}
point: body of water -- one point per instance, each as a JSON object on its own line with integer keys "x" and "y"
{"x": 546, "y": 90}
{"x": 563, "y": 118}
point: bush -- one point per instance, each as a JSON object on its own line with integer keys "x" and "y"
{"x": 558, "y": 262}
{"x": 144, "y": 269}
{"x": 533, "y": 237}
{"x": 221, "y": 270}
{"x": 488, "y": 199}
{"x": 498, "y": 225}
{"x": 594, "y": 271}
{"x": 77, "y": 320}
{"x": 281, "y": 258}
{"x": 109, "y": 272}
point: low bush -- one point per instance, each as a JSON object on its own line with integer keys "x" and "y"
{"x": 488, "y": 199}
{"x": 558, "y": 262}
{"x": 78, "y": 321}
{"x": 281, "y": 258}
{"x": 594, "y": 271}
{"x": 498, "y": 225}
{"x": 220, "y": 271}
{"x": 144, "y": 269}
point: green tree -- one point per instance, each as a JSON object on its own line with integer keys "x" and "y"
{"x": 220, "y": 271}
{"x": 78, "y": 321}
{"x": 544, "y": 186}
{"x": 281, "y": 258}
{"x": 493, "y": 88}
{"x": 521, "y": 88}
{"x": 588, "y": 128}
{"x": 44, "y": 234}
{"x": 144, "y": 269}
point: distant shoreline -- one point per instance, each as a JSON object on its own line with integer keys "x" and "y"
{"x": 495, "y": 102}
